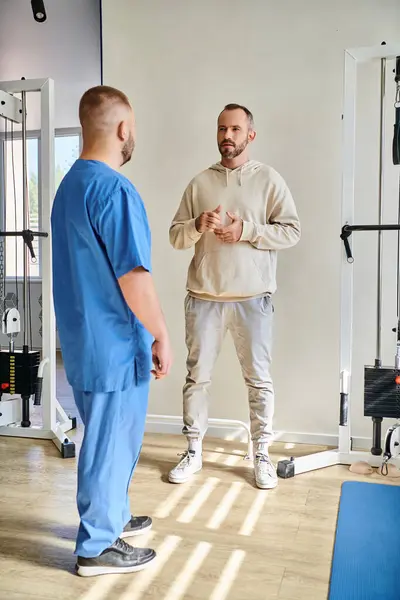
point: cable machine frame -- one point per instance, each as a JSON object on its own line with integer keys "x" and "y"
{"x": 344, "y": 453}
{"x": 55, "y": 422}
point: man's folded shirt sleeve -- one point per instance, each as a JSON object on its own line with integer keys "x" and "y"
{"x": 124, "y": 230}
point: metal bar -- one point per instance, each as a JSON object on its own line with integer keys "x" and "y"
{"x": 22, "y": 85}
{"x": 2, "y": 224}
{"x": 368, "y": 53}
{"x": 390, "y": 227}
{"x": 396, "y": 160}
{"x": 347, "y": 216}
{"x": 22, "y": 233}
{"x": 35, "y": 133}
{"x": 10, "y": 107}
{"x": 398, "y": 270}
{"x": 378, "y": 358}
{"x": 48, "y": 324}
{"x": 25, "y": 219}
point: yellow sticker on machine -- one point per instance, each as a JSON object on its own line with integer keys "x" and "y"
{"x": 12, "y": 374}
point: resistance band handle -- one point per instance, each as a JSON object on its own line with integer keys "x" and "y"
{"x": 28, "y": 238}
{"x": 345, "y": 237}
{"x": 348, "y": 250}
{"x": 27, "y": 235}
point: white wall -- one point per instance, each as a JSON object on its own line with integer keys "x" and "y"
{"x": 180, "y": 62}
{"x": 67, "y": 48}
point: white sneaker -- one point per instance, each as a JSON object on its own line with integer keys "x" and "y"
{"x": 190, "y": 463}
{"x": 264, "y": 471}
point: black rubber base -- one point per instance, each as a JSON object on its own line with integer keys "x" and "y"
{"x": 73, "y": 419}
{"x": 285, "y": 469}
{"x": 376, "y": 451}
{"x": 68, "y": 449}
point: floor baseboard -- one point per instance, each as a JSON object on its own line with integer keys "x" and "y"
{"x": 238, "y": 434}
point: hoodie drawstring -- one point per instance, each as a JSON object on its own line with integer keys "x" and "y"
{"x": 240, "y": 177}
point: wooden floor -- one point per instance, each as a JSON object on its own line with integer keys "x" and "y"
{"x": 217, "y": 537}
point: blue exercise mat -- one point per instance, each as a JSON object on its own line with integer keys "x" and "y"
{"x": 366, "y": 557}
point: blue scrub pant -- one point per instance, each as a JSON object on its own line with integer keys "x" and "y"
{"x": 113, "y": 436}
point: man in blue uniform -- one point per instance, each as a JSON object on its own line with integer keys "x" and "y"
{"x": 110, "y": 327}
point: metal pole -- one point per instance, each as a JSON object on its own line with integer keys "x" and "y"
{"x": 25, "y": 217}
{"x": 397, "y": 328}
{"x": 398, "y": 267}
{"x": 347, "y": 271}
{"x": 396, "y": 161}
{"x": 378, "y": 359}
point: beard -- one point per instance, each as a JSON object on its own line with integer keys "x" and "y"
{"x": 232, "y": 151}
{"x": 127, "y": 150}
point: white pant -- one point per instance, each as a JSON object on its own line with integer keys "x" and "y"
{"x": 250, "y": 323}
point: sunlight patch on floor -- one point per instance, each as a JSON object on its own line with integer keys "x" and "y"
{"x": 198, "y": 500}
{"x": 254, "y": 513}
{"x": 222, "y": 510}
{"x": 167, "y": 506}
{"x": 228, "y": 575}
{"x": 232, "y": 460}
{"x": 186, "y": 576}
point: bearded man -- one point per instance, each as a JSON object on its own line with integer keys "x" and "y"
{"x": 237, "y": 214}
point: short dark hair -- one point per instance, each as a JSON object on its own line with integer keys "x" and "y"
{"x": 248, "y": 113}
{"x": 97, "y": 97}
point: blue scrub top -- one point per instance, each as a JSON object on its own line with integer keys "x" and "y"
{"x": 100, "y": 232}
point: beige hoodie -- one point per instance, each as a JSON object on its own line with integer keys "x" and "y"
{"x": 228, "y": 272}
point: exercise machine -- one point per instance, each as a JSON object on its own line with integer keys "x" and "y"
{"x": 381, "y": 383}
{"x": 28, "y": 375}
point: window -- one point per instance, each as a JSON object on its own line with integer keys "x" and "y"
{"x": 66, "y": 150}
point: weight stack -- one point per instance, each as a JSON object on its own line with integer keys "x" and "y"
{"x": 381, "y": 392}
{"x": 18, "y": 372}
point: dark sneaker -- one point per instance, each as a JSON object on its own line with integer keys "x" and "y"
{"x": 136, "y": 526}
{"x": 118, "y": 558}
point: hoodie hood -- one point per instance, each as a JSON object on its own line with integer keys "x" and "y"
{"x": 246, "y": 170}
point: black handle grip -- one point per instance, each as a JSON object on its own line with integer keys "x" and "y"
{"x": 397, "y": 71}
{"x": 28, "y": 239}
{"x": 396, "y": 139}
{"x": 344, "y": 409}
{"x": 38, "y": 392}
{"x": 348, "y": 250}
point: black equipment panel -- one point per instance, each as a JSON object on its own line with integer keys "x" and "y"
{"x": 18, "y": 372}
{"x": 381, "y": 392}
